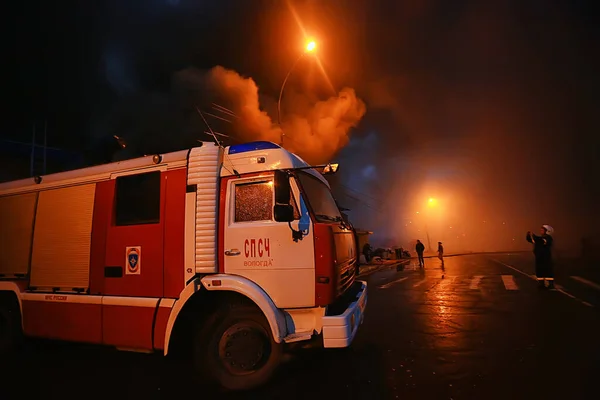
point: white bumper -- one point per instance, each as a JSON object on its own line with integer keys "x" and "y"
{"x": 340, "y": 330}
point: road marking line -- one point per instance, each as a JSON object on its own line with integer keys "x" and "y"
{"x": 587, "y": 304}
{"x": 387, "y": 285}
{"x": 515, "y": 269}
{"x": 509, "y": 282}
{"x": 587, "y": 282}
{"x": 558, "y": 288}
{"x": 475, "y": 282}
{"x": 420, "y": 283}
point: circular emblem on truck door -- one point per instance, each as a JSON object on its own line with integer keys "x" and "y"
{"x": 133, "y": 260}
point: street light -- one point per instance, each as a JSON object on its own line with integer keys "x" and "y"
{"x": 431, "y": 202}
{"x": 309, "y": 48}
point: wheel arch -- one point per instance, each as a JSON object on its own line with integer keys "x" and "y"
{"x": 10, "y": 291}
{"x": 205, "y": 294}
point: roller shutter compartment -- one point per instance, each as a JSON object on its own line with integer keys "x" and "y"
{"x": 62, "y": 238}
{"x": 16, "y": 233}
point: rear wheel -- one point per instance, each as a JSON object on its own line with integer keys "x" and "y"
{"x": 237, "y": 349}
{"x": 10, "y": 325}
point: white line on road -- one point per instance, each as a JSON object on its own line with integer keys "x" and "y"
{"x": 515, "y": 269}
{"x": 420, "y": 283}
{"x": 509, "y": 282}
{"x": 587, "y": 282}
{"x": 475, "y": 282}
{"x": 387, "y": 285}
{"x": 558, "y": 287}
{"x": 562, "y": 290}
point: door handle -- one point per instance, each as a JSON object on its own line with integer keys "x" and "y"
{"x": 232, "y": 252}
{"x": 113, "y": 272}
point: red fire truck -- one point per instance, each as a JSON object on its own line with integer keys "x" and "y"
{"x": 228, "y": 254}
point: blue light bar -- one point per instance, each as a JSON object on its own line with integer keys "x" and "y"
{"x": 252, "y": 146}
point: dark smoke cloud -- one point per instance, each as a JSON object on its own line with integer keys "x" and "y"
{"x": 159, "y": 122}
{"x": 481, "y": 113}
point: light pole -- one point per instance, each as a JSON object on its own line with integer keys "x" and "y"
{"x": 310, "y": 47}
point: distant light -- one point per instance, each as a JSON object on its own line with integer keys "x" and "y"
{"x": 330, "y": 169}
{"x": 311, "y": 46}
{"x": 417, "y": 212}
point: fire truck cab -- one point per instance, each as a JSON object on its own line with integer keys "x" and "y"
{"x": 227, "y": 254}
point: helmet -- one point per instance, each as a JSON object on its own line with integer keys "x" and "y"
{"x": 548, "y": 229}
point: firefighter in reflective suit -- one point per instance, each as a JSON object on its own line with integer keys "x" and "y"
{"x": 542, "y": 248}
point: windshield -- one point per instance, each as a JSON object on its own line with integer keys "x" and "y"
{"x": 320, "y": 198}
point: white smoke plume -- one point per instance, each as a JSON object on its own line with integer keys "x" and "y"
{"x": 161, "y": 122}
{"x": 316, "y": 132}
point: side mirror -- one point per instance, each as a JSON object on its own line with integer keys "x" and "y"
{"x": 283, "y": 213}
{"x": 282, "y": 187}
{"x": 330, "y": 169}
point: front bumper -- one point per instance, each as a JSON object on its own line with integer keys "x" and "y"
{"x": 340, "y": 330}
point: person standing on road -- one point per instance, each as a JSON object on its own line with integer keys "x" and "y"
{"x": 542, "y": 249}
{"x": 367, "y": 251}
{"x": 398, "y": 251}
{"x": 420, "y": 248}
{"x": 441, "y": 253}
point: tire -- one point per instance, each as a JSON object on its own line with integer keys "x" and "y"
{"x": 236, "y": 348}
{"x": 10, "y": 325}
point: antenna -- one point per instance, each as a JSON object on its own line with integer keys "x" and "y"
{"x": 45, "y": 143}
{"x": 217, "y": 133}
{"x": 32, "y": 150}
{"x": 214, "y": 135}
{"x": 224, "y": 110}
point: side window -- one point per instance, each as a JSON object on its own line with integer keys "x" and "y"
{"x": 138, "y": 199}
{"x": 254, "y": 202}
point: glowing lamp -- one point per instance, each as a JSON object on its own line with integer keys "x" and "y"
{"x": 330, "y": 169}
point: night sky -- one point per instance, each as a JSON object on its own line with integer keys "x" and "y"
{"x": 489, "y": 106}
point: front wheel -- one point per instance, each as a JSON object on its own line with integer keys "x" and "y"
{"x": 238, "y": 349}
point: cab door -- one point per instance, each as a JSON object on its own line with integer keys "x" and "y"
{"x": 263, "y": 250}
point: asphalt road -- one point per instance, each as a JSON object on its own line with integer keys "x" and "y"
{"x": 480, "y": 329}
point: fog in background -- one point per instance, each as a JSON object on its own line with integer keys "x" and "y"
{"x": 487, "y": 108}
